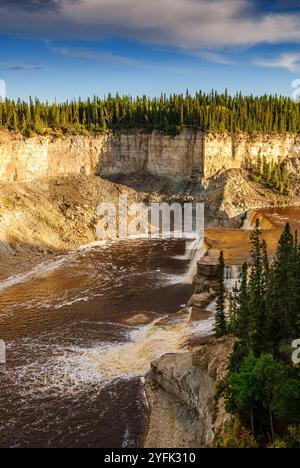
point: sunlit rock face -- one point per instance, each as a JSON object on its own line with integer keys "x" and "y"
{"x": 191, "y": 154}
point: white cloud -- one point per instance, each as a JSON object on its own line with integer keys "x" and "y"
{"x": 19, "y": 66}
{"x": 289, "y": 62}
{"x": 191, "y": 24}
{"x": 209, "y": 55}
{"x": 85, "y": 53}
{"x": 91, "y": 55}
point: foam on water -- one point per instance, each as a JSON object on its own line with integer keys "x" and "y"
{"x": 92, "y": 245}
{"x": 130, "y": 359}
{"x": 203, "y": 327}
{"x": 67, "y": 348}
{"x": 75, "y": 370}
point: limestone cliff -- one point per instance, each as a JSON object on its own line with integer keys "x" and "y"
{"x": 106, "y": 155}
{"x": 190, "y": 155}
{"x": 222, "y": 151}
{"x": 181, "y": 390}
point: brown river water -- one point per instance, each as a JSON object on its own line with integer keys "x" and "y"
{"x": 76, "y": 359}
{"x": 74, "y": 367}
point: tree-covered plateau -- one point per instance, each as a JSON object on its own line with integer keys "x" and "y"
{"x": 169, "y": 114}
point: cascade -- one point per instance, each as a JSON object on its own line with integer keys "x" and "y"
{"x": 251, "y": 218}
{"x": 195, "y": 250}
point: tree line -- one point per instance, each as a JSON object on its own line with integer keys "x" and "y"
{"x": 262, "y": 388}
{"x": 167, "y": 113}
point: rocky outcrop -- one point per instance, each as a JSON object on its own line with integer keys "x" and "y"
{"x": 201, "y": 300}
{"x": 208, "y": 268}
{"x": 181, "y": 390}
{"x": 231, "y": 194}
{"x": 191, "y": 156}
{"x": 205, "y": 281}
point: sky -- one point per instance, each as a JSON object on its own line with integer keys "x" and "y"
{"x": 65, "y": 49}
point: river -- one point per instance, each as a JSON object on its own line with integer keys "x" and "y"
{"x": 81, "y": 331}
{"x": 74, "y": 360}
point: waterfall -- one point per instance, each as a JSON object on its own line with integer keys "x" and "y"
{"x": 251, "y": 218}
{"x": 248, "y": 224}
{"x": 232, "y": 275}
{"x": 104, "y": 363}
{"x": 195, "y": 250}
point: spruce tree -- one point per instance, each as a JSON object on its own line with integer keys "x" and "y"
{"x": 262, "y": 386}
{"x": 242, "y": 320}
{"x": 257, "y": 302}
{"x": 220, "y": 319}
{"x": 284, "y": 288}
{"x": 206, "y": 112}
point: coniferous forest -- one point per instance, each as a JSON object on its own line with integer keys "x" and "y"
{"x": 169, "y": 114}
{"x": 262, "y": 390}
{"x": 274, "y": 175}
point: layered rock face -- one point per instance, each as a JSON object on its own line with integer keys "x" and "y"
{"x": 181, "y": 390}
{"x": 225, "y": 152}
{"x": 189, "y": 155}
{"x": 106, "y": 155}
{"x": 39, "y": 157}
{"x": 154, "y": 154}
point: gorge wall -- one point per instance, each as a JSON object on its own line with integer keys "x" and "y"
{"x": 190, "y": 154}
{"x": 182, "y": 392}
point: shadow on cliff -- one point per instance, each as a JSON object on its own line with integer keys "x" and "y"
{"x": 168, "y": 186}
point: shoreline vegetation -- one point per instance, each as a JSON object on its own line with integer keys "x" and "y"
{"x": 206, "y": 112}
{"x": 262, "y": 388}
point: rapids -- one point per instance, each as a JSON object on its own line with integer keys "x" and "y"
{"x": 76, "y": 352}
{"x": 82, "y": 330}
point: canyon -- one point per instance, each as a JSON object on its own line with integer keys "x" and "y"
{"x": 50, "y": 188}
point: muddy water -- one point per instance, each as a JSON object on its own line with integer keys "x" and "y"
{"x": 82, "y": 330}
{"x": 236, "y": 243}
{"x": 78, "y": 343}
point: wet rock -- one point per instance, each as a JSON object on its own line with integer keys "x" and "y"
{"x": 207, "y": 268}
{"x": 199, "y": 313}
{"x": 201, "y": 285}
{"x": 201, "y": 301}
{"x": 141, "y": 318}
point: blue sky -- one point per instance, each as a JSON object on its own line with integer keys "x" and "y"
{"x": 69, "y": 48}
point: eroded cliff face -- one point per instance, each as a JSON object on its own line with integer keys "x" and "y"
{"x": 52, "y": 215}
{"x": 224, "y": 152}
{"x": 39, "y": 157}
{"x": 106, "y": 155}
{"x": 181, "y": 390}
{"x": 190, "y": 155}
